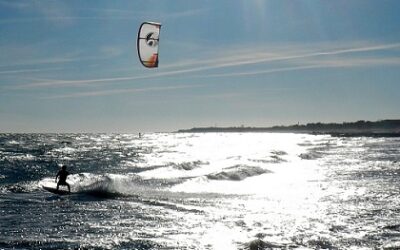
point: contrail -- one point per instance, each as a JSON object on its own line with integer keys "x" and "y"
{"x": 121, "y": 91}
{"x": 254, "y": 58}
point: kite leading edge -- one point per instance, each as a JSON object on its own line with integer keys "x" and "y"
{"x": 147, "y": 44}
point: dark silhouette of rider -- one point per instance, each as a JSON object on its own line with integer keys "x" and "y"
{"x": 63, "y": 173}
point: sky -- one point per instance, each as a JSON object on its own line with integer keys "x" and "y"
{"x": 72, "y": 66}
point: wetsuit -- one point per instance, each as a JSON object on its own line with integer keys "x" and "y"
{"x": 63, "y": 178}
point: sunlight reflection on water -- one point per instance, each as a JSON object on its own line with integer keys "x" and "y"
{"x": 201, "y": 191}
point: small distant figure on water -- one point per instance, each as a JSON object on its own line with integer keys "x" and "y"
{"x": 140, "y": 135}
{"x": 62, "y": 175}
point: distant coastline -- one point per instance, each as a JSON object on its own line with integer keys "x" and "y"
{"x": 382, "y": 128}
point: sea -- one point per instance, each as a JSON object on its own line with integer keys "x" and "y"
{"x": 200, "y": 191}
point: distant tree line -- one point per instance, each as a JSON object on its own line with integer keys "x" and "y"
{"x": 359, "y": 125}
{"x": 382, "y": 126}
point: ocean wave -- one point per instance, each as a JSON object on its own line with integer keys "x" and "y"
{"x": 259, "y": 244}
{"x": 321, "y": 243}
{"x": 200, "y": 197}
{"x": 238, "y": 173}
{"x": 392, "y": 246}
{"x": 37, "y": 244}
{"x": 142, "y": 244}
{"x": 188, "y": 165}
{"x": 105, "y": 185}
{"x": 305, "y": 144}
{"x": 16, "y": 188}
{"x": 20, "y": 187}
{"x": 278, "y": 152}
{"x": 395, "y": 227}
{"x": 172, "y": 206}
{"x": 276, "y": 156}
{"x": 310, "y": 156}
{"x": 112, "y": 185}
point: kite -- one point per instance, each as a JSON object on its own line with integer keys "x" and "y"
{"x": 147, "y": 44}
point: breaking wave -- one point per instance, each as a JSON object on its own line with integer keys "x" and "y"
{"x": 105, "y": 185}
{"x": 189, "y": 165}
{"x": 237, "y": 173}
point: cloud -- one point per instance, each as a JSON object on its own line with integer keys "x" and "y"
{"x": 256, "y": 56}
{"x": 63, "y": 19}
{"x": 40, "y": 10}
{"x": 60, "y": 13}
{"x": 298, "y": 58}
{"x": 186, "y": 13}
{"x": 111, "y": 51}
{"x": 15, "y": 4}
{"x": 317, "y": 64}
{"x": 120, "y": 91}
{"x": 62, "y": 83}
{"x": 35, "y": 56}
{"x": 262, "y": 72}
{"x": 18, "y": 71}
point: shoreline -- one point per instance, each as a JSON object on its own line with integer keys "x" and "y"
{"x": 384, "y": 128}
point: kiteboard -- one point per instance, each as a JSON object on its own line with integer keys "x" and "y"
{"x": 55, "y": 191}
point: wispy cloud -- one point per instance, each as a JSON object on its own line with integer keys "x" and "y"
{"x": 113, "y": 11}
{"x": 59, "y": 13}
{"x": 262, "y": 72}
{"x": 289, "y": 60}
{"x": 56, "y": 12}
{"x": 296, "y": 59}
{"x": 185, "y": 13}
{"x": 315, "y": 64}
{"x": 15, "y": 4}
{"x": 121, "y": 91}
{"x": 129, "y": 13}
{"x": 246, "y": 57}
{"x": 63, "y": 83}
{"x": 36, "y": 56}
{"x": 66, "y": 19}
{"x": 19, "y": 71}
{"x": 39, "y": 10}
{"x": 234, "y": 95}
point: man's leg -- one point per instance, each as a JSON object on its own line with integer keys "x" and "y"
{"x": 69, "y": 188}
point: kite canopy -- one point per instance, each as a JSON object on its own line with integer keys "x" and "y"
{"x": 147, "y": 44}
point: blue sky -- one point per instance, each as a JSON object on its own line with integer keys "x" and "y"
{"x": 72, "y": 66}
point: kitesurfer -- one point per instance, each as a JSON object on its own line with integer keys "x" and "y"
{"x": 63, "y": 174}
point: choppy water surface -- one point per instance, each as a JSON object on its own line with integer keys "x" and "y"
{"x": 200, "y": 191}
